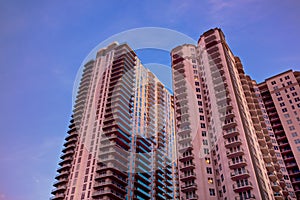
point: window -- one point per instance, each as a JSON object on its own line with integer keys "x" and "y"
{"x": 292, "y": 88}
{"x": 197, "y": 89}
{"x": 277, "y": 93}
{"x": 273, "y": 82}
{"x": 205, "y": 142}
{"x": 207, "y": 160}
{"x": 294, "y": 134}
{"x": 204, "y": 133}
{"x": 211, "y": 192}
{"x": 201, "y": 117}
{"x": 199, "y": 103}
{"x": 208, "y": 170}
{"x": 284, "y": 110}
{"x": 210, "y": 180}
{"x": 202, "y": 125}
{"x": 292, "y": 128}
{"x": 198, "y": 96}
{"x": 289, "y": 121}
{"x": 279, "y": 99}
{"x": 206, "y": 151}
{"x": 282, "y": 104}
{"x": 297, "y": 141}
{"x": 224, "y": 189}
{"x": 287, "y": 77}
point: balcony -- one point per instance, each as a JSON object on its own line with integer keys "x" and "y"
{"x": 270, "y": 167}
{"x": 112, "y": 194}
{"x": 282, "y": 183}
{"x": 239, "y": 175}
{"x": 229, "y": 134}
{"x": 242, "y": 187}
{"x": 252, "y": 197}
{"x": 278, "y": 196}
{"x": 237, "y": 152}
{"x": 272, "y": 176}
{"x": 66, "y": 160}
{"x": 237, "y": 163}
{"x": 187, "y": 166}
{"x": 112, "y": 175}
{"x": 222, "y": 95}
{"x": 58, "y": 196}
{"x": 185, "y": 177}
{"x": 259, "y": 134}
{"x": 59, "y": 189}
{"x": 225, "y": 107}
{"x": 279, "y": 175}
{"x": 184, "y": 148}
{"x": 186, "y": 157}
{"x": 262, "y": 142}
{"x": 264, "y": 150}
{"x": 232, "y": 143}
{"x": 64, "y": 167}
{"x": 188, "y": 188}
{"x": 60, "y": 181}
{"x": 229, "y": 124}
{"x": 275, "y": 186}
{"x": 110, "y": 184}
{"x": 267, "y": 158}
{"x": 62, "y": 174}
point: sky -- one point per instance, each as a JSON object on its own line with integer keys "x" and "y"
{"x": 43, "y": 43}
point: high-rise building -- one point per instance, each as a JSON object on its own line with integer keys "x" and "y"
{"x": 121, "y": 141}
{"x": 224, "y": 147}
{"x": 281, "y": 98}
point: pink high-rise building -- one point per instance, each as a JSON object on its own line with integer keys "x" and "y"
{"x": 224, "y": 147}
{"x": 122, "y": 137}
{"x": 281, "y": 98}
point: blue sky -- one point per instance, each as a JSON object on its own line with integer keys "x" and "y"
{"x": 42, "y": 44}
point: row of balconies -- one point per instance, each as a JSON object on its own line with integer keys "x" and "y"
{"x": 232, "y": 143}
{"x": 237, "y": 163}
{"x": 235, "y": 153}
{"x": 242, "y": 186}
{"x": 108, "y": 192}
{"x": 240, "y": 175}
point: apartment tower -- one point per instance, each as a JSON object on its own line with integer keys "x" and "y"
{"x": 222, "y": 140}
{"x": 121, "y": 138}
{"x": 281, "y": 98}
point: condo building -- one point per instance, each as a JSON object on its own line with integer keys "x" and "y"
{"x": 121, "y": 138}
{"x": 280, "y": 95}
{"x": 224, "y": 146}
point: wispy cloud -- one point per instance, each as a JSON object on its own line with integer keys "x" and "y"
{"x": 226, "y": 12}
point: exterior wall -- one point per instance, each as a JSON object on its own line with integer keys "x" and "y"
{"x": 222, "y": 140}
{"x": 281, "y": 95}
{"x": 278, "y": 171}
{"x": 121, "y": 138}
{"x": 194, "y": 159}
{"x": 230, "y": 122}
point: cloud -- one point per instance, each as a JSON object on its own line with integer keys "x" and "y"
{"x": 230, "y": 12}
